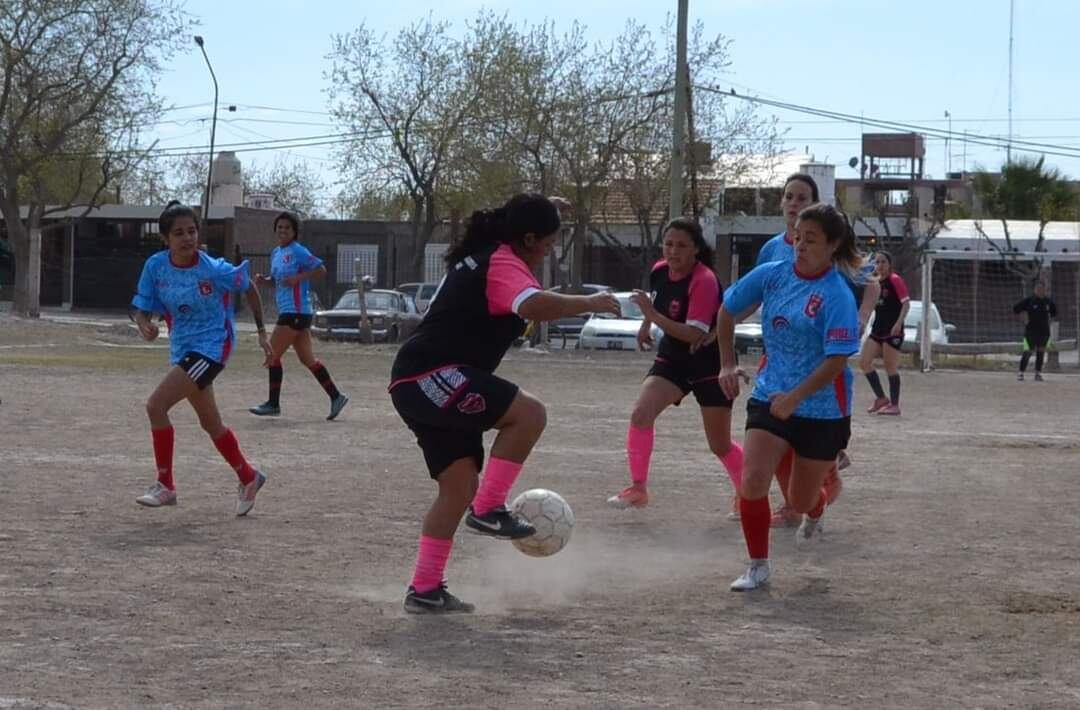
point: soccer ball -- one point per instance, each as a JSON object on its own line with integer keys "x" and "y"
{"x": 552, "y": 518}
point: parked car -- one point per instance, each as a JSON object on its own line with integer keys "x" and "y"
{"x": 939, "y": 331}
{"x": 571, "y": 325}
{"x": 393, "y": 317}
{"x": 604, "y": 331}
{"x": 421, "y": 293}
{"x": 748, "y": 337}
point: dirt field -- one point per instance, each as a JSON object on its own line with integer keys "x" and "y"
{"x": 950, "y": 576}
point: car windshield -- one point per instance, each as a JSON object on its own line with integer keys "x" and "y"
{"x": 630, "y": 311}
{"x": 376, "y": 301}
{"x": 914, "y": 315}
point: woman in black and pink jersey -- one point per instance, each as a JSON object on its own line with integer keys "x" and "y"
{"x": 686, "y": 299}
{"x": 443, "y": 386}
{"x": 886, "y": 336}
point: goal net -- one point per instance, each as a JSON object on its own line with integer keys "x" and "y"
{"x": 972, "y": 295}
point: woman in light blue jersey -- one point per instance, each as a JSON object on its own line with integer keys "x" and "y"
{"x": 802, "y": 397}
{"x": 192, "y": 290}
{"x": 292, "y": 267}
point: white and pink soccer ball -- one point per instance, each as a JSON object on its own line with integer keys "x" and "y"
{"x": 552, "y": 518}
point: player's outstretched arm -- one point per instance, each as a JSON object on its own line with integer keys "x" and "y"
{"x": 547, "y": 305}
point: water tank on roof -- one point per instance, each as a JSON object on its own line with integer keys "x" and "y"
{"x": 824, "y": 175}
{"x": 227, "y": 181}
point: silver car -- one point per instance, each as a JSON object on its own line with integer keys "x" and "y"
{"x": 604, "y": 331}
{"x": 392, "y": 316}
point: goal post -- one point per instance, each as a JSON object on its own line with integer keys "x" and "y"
{"x": 972, "y": 295}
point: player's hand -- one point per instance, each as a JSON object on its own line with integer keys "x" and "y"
{"x": 704, "y": 341}
{"x": 782, "y": 405}
{"x": 641, "y": 299}
{"x": 264, "y": 343}
{"x": 147, "y": 329}
{"x": 565, "y": 207}
{"x": 644, "y": 336}
{"x": 729, "y": 381}
{"x": 263, "y": 280}
{"x": 604, "y": 302}
{"x": 897, "y": 329}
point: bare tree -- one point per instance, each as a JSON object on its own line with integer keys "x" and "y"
{"x": 76, "y": 86}
{"x": 293, "y": 183}
{"x": 407, "y": 105}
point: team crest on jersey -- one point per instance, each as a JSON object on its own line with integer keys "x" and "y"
{"x": 673, "y": 308}
{"x": 286, "y": 259}
{"x": 813, "y": 305}
{"x": 472, "y": 403}
{"x": 779, "y": 323}
{"x": 205, "y": 288}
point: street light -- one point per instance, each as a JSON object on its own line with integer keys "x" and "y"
{"x": 213, "y": 130}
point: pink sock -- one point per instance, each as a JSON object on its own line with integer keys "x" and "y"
{"x": 499, "y": 477}
{"x": 732, "y": 461}
{"x": 431, "y": 560}
{"x": 639, "y": 445}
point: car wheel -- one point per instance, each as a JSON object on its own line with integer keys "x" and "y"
{"x": 392, "y": 334}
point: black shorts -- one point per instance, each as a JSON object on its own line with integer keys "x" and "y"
{"x": 818, "y": 439}
{"x": 893, "y": 341}
{"x": 201, "y": 369}
{"x": 1035, "y": 339}
{"x": 706, "y": 390}
{"x": 296, "y": 321}
{"x": 449, "y": 410}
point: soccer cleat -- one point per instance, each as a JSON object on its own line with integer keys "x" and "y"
{"x": 1038, "y": 377}
{"x": 436, "y": 601}
{"x": 892, "y": 410}
{"x": 500, "y": 524}
{"x": 734, "y": 514}
{"x": 879, "y": 404}
{"x": 832, "y": 485}
{"x": 842, "y": 460}
{"x": 756, "y": 575}
{"x": 265, "y": 410}
{"x": 810, "y": 529}
{"x": 336, "y": 405}
{"x": 629, "y": 497}
{"x": 156, "y": 496}
{"x": 785, "y": 517}
{"x": 245, "y": 493}
{"x": 1020, "y": 376}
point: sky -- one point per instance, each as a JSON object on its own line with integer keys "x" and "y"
{"x": 908, "y": 61}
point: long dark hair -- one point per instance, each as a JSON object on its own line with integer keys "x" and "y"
{"x": 685, "y": 224}
{"x": 803, "y": 177}
{"x": 291, "y": 219}
{"x": 837, "y": 228}
{"x": 173, "y": 211}
{"x": 524, "y": 213}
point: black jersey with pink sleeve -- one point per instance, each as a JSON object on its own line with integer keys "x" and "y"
{"x": 693, "y": 299}
{"x": 894, "y": 295}
{"x": 473, "y": 318}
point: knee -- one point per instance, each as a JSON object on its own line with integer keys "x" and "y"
{"x": 642, "y": 417}
{"x": 755, "y": 482}
{"x": 155, "y": 409}
{"x": 533, "y": 414}
{"x": 720, "y": 448}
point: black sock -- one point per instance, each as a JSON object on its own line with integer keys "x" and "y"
{"x": 277, "y": 373}
{"x": 894, "y": 389}
{"x": 875, "y": 384}
{"x": 1024, "y": 359}
{"x": 323, "y": 376}
{"x": 1039, "y": 360}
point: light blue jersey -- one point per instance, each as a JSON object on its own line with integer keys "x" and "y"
{"x": 290, "y": 260}
{"x": 778, "y": 248}
{"x": 196, "y": 303}
{"x": 803, "y": 320}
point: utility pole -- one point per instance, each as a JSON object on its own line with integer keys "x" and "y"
{"x": 1008, "y": 145}
{"x": 678, "y": 133}
{"x": 213, "y": 129}
{"x": 948, "y": 146}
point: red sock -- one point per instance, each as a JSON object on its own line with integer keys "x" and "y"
{"x": 819, "y": 507}
{"x": 639, "y": 446}
{"x": 783, "y": 474}
{"x": 431, "y": 560}
{"x": 163, "y": 455}
{"x": 229, "y": 448}
{"x": 755, "y": 516}
{"x": 499, "y": 477}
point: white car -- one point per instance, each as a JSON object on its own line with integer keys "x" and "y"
{"x": 604, "y": 331}
{"x": 939, "y": 332}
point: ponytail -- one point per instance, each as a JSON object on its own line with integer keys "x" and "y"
{"x": 705, "y": 253}
{"x": 837, "y": 228}
{"x": 173, "y": 211}
{"x": 484, "y": 228}
{"x": 524, "y": 213}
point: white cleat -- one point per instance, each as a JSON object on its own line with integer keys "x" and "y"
{"x": 245, "y": 494}
{"x": 756, "y": 575}
{"x": 810, "y": 530}
{"x": 156, "y": 496}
